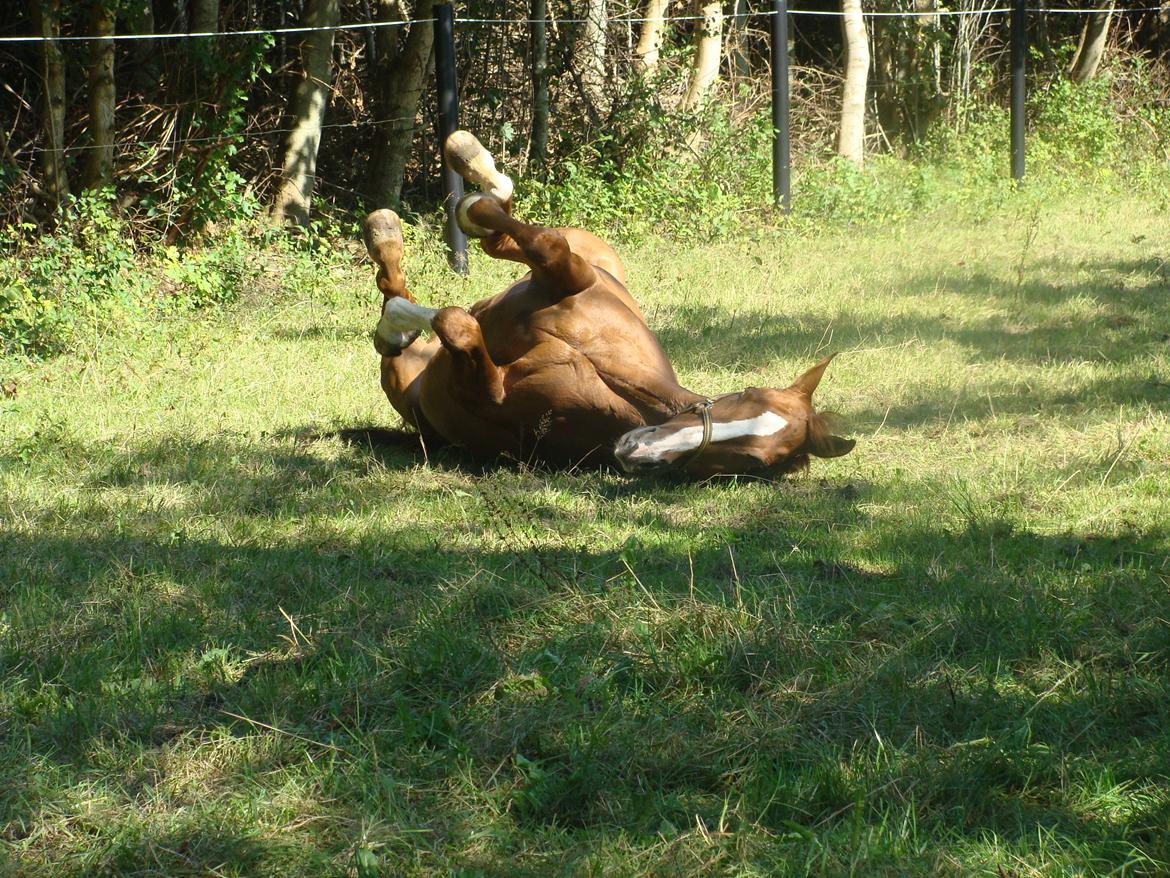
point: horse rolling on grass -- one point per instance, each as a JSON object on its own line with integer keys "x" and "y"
{"x": 561, "y": 367}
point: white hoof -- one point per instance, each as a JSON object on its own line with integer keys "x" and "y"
{"x": 465, "y": 222}
{"x": 468, "y": 158}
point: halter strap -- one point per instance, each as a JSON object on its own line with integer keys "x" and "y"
{"x": 703, "y": 409}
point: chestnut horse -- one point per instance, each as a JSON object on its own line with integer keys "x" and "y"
{"x": 561, "y": 367}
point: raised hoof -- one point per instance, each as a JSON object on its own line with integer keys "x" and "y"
{"x": 393, "y": 349}
{"x": 467, "y": 157}
{"x": 382, "y": 231}
{"x": 463, "y": 217}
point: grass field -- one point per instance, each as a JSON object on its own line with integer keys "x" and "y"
{"x": 238, "y": 638}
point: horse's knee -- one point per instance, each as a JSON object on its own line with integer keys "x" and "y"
{"x": 549, "y": 250}
{"x": 458, "y": 330}
{"x": 461, "y": 335}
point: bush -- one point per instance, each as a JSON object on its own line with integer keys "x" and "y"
{"x": 57, "y": 284}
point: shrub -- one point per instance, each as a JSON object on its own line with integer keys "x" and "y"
{"x": 57, "y": 284}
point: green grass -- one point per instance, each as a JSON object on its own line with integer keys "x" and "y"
{"x": 233, "y": 642}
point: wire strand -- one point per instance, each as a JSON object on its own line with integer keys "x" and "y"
{"x": 372, "y": 25}
{"x": 246, "y": 134}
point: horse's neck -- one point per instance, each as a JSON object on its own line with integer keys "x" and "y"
{"x": 664, "y": 401}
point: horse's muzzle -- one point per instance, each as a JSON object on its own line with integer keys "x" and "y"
{"x": 629, "y": 451}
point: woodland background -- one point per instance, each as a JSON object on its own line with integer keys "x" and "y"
{"x": 632, "y": 119}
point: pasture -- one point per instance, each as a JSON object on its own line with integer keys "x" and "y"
{"x": 238, "y": 637}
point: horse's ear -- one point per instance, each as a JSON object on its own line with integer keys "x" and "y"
{"x": 821, "y": 441}
{"x": 829, "y": 445}
{"x": 808, "y": 382}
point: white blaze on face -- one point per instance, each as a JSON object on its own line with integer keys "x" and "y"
{"x": 689, "y": 438}
{"x": 400, "y": 317}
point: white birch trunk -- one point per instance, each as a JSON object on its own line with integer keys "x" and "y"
{"x": 650, "y": 37}
{"x": 708, "y": 50}
{"x": 307, "y": 109}
{"x": 851, "y": 137}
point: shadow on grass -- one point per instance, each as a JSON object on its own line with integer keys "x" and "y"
{"x": 790, "y": 662}
{"x": 1035, "y": 324}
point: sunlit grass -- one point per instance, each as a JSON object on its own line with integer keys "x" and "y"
{"x": 234, "y": 643}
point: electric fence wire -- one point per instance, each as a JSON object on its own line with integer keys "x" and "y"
{"x": 170, "y": 141}
{"x": 373, "y": 25}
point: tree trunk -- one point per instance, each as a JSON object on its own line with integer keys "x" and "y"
{"x": 708, "y": 49}
{"x": 907, "y": 61}
{"x": 736, "y": 35}
{"x": 401, "y": 78}
{"x": 47, "y": 23}
{"x": 589, "y": 51}
{"x": 650, "y": 37}
{"x": 204, "y": 16}
{"x": 1092, "y": 46}
{"x": 538, "y": 144}
{"x": 102, "y": 98}
{"x": 307, "y": 109}
{"x": 851, "y": 139}
{"x": 143, "y": 53}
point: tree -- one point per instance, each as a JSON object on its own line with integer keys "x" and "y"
{"x": 907, "y": 57}
{"x": 400, "y": 74}
{"x": 589, "y": 52}
{"x": 307, "y": 109}
{"x": 139, "y": 16}
{"x": 851, "y": 135}
{"x": 55, "y": 180}
{"x": 708, "y": 47}
{"x": 99, "y": 164}
{"x": 204, "y": 16}
{"x": 651, "y": 34}
{"x": 1092, "y": 45}
{"x": 538, "y": 148}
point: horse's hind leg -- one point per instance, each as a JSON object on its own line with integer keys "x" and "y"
{"x": 468, "y": 158}
{"x": 559, "y": 271}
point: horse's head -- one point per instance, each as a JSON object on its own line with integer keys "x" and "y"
{"x": 761, "y": 431}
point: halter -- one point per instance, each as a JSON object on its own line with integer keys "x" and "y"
{"x": 702, "y": 408}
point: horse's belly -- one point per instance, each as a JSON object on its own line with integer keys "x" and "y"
{"x": 567, "y": 412}
{"x": 556, "y": 410}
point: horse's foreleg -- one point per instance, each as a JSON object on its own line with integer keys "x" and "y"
{"x": 458, "y": 332}
{"x": 401, "y": 322}
{"x": 382, "y": 230}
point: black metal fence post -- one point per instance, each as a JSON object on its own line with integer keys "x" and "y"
{"x": 448, "y": 90}
{"x": 1019, "y": 84}
{"x": 781, "y": 133}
